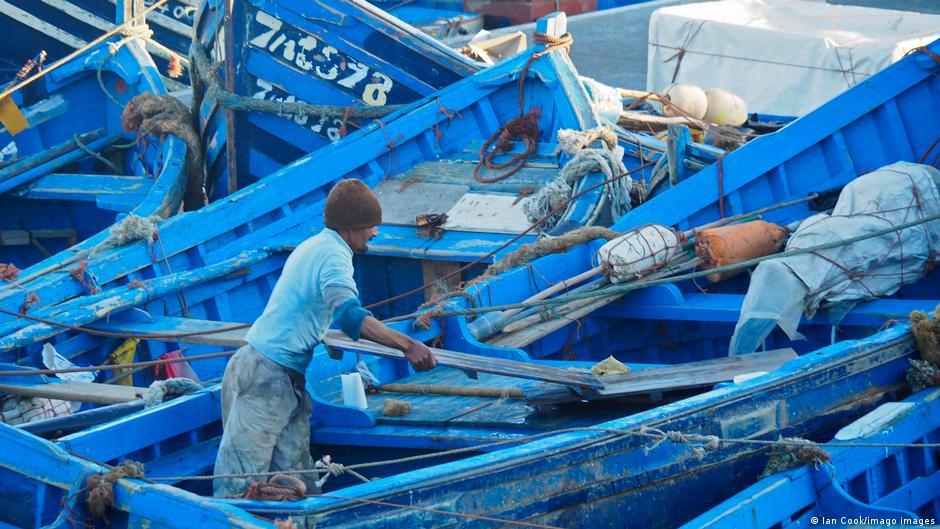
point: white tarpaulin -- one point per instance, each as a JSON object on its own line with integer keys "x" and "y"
{"x": 783, "y": 289}
{"x": 783, "y": 57}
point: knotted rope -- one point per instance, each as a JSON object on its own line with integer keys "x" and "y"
{"x": 79, "y": 273}
{"x": 525, "y": 126}
{"x": 335, "y": 470}
{"x": 31, "y": 298}
{"x": 131, "y": 228}
{"x": 700, "y": 444}
{"x": 30, "y": 65}
{"x": 793, "y": 452}
{"x": 100, "y": 495}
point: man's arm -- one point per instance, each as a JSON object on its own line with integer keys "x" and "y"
{"x": 416, "y": 352}
{"x": 358, "y": 322}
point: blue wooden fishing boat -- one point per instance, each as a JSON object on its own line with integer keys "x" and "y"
{"x": 70, "y": 173}
{"x": 877, "y": 485}
{"x": 59, "y": 27}
{"x": 351, "y": 57}
{"x": 591, "y": 462}
{"x": 44, "y": 488}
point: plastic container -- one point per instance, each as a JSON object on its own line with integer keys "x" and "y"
{"x": 354, "y": 393}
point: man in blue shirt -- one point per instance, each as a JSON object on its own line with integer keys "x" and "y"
{"x": 265, "y": 406}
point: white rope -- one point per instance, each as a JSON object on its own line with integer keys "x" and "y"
{"x": 585, "y": 160}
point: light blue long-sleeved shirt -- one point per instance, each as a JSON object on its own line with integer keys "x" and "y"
{"x": 317, "y": 279}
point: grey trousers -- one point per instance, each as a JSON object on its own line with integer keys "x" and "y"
{"x": 265, "y": 422}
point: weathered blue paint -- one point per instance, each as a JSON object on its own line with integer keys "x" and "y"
{"x": 61, "y": 26}
{"x": 51, "y": 204}
{"x": 344, "y": 53}
{"x": 898, "y": 484}
{"x": 583, "y": 478}
{"x": 43, "y": 486}
{"x": 285, "y": 208}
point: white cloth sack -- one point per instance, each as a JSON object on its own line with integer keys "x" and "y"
{"x": 783, "y": 289}
{"x": 783, "y": 57}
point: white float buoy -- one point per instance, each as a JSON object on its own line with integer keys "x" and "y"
{"x": 689, "y": 98}
{"x": 725, "y": 108}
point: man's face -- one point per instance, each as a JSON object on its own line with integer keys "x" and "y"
{"x": 359, "y": 239}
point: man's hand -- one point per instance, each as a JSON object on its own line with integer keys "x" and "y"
{"x": 416, "y": 352}
{"x": 420, "y": 356}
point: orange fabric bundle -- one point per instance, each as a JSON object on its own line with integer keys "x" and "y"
{"x": 738, "y": 242}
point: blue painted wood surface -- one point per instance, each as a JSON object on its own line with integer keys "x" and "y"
{"x": 892, "y": 483}
{"x": 345, "y": 53}
{"x": 285, "y": 208}
{"x": 75, "y": 191}
{"x": 43, "y": 486}
{"x": 576, "y": 478}
{"x": 61, "y": 26}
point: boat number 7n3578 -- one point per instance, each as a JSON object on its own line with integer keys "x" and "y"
{"x": 304, "y": 51}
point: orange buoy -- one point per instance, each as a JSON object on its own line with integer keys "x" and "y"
{"x": 732, "y": 244}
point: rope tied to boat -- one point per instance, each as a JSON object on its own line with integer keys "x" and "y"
{"x": 700, "y": 444}
{"x": 793, "y": 452}
{"x": 30, "y": 299}
{"x": 927, "y": 52}
{"x": 332, "y": 469}
{"x": 206, "y": 72}
{"x": 551, "y": 42}
{"x": 30, "y": 65}
{"x": 606, "y": 159}
{"x": 79, "y": 274}
{"x": 147, "y": 114}
{"x": 130, "y": 228}
{"x": 159, "y": 390}
{"x": 549, "y": 245}
{"x": 100, "y": 496}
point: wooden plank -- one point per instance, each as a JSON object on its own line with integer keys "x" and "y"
{"x": 77, "y": 392}
{"x": 403, "y": 201}
{"x": 26, "y": 237}
{"x": 340, "y": 341}
{"x": 470, "y": 362}
{"x": 669, "y": 378}
{"x": 169, "y": 325}
{"x": 86, "y": 187}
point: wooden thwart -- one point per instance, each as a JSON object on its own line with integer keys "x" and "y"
{"x": 77, "y": 392}
{"x": 669, "y": 378}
